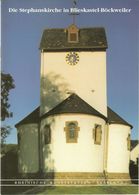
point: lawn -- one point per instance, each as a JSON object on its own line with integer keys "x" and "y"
{"x": 73, "y": 190}
{"x": 90, "y": 190}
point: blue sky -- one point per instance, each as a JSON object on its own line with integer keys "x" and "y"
{"x": 21, "y": 34}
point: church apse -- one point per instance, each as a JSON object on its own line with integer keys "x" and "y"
{"x": 28, "y": 159}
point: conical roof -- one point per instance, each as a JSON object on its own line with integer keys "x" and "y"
{"x": 73, "y": 104}
{"x": 114, "y": 118}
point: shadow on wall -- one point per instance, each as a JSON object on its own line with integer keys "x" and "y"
{"x": 133, "y": 170}
{"x": 28, "y": 162}
{"x": 49, "y": 168}
{"x": 48, "y": 163}
{"x": 53, "y": 90}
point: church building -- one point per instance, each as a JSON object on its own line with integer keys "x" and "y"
{"x": 73, "y": 135}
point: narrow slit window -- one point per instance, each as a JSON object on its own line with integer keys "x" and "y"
{"x": 47, "y": 134}
{"x": 128, "y": 142}
{"x": 97, "y": 134}
{"x": 18, "y": 138}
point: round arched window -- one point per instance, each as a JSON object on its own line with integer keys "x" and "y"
{"x": 72, "y": 130}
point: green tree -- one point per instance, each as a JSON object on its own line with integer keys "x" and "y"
{"x": 7, "y": 83}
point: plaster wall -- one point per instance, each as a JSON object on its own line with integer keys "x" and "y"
{"x": 83, "y": 156}
{"x": 118, "y": 154}
{"x": 28, "y": 159}
{"x": 87, "y": 79}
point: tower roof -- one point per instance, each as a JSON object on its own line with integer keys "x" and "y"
{"x": 73, "y": 104}
{"x": 89, "y": 39}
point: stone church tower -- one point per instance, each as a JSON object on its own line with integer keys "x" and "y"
{"x": 77, "y": 59}
{"x": 74, "y": 136}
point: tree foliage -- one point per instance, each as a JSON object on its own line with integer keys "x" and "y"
{"x": 7, "y": 83}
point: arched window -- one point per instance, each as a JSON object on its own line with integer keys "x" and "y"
{"x": 47, "y": 134}
{"x": 71, "y": 130}
{"x": 97, "y": 134}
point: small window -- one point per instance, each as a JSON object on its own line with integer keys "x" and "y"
{"x": 97, "y": 134}
{"x": 128, "y": 142}
{"x": 18, "y": 138}
{"x": 71, "y": 130}
{"x": 73, "y": 34}
{"x": 73, "y": 37}
{"x": 47, "y": 134}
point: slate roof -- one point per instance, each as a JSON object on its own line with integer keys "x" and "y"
{"x": 114, "y": 118}
{"x": 33, "y": 117}
{"x": 73, "y": 104}
{"x": 89, "y": 38}
{"x": 134, "y": 143}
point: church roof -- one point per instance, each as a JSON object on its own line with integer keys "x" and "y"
{"x": 73, "y": 104}
{"x": 134, "y": 143}
{"x": 89, "y": 38}
{"x": 33, "y": 117}
{"x": 114, "y": 118}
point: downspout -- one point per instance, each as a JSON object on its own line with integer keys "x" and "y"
{"x": 42, "y": 84}
{"x": 105, "y": 161}
{"x": 39, "y": 124}
{"x": 39, "y": 148}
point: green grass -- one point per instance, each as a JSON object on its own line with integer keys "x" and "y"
{"x": 72, "y": 190}
{"x": 92, "y": 190}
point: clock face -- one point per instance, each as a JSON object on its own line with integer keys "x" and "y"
{"x": 72, "y": 58}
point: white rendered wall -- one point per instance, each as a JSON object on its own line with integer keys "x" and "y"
{"x": 87, "y": 79}
{"x": 28, "y": 160}
{"x": 135, "y": 153}
{"x": 83, "y": 156}
{"x": 118, "y": 154}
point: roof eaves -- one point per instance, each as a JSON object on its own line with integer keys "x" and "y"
{"x": 97, "y": 48}
{"x": 119, "y": 123}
